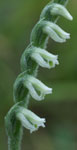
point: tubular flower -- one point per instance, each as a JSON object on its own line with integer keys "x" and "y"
{"x": 58, "y": 9}
{"x": 29, "y": 120}
{"x": 55, "y": 32}
{"x": 36, "y": 88}
{"x": 44, "y": 58}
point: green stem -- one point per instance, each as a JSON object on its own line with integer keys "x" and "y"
{"x": 14, "y": 141}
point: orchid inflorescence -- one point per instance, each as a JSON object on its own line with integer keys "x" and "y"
{"x": 27, "y": 84}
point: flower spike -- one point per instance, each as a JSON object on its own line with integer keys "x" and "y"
{"x": 36, "y": 88}
{"x": 26, "y": 84}
{"x": 58, "y": 9}
{"x": 29, "y": 120}
{"x": 44, "y": 58}
{"x": 55, "y": 32}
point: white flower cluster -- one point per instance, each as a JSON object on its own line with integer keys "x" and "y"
{"x": 44, "y": 59}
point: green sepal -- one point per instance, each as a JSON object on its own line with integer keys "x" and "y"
{"x": 27, "y": 63}
{"x": 38, "y": 38}
{"x": 19, "y": 91}
{"x": 11, "y": 123}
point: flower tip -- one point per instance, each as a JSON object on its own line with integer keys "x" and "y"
{"x": 49, "y": 91}
{"x": 68, "y": 36}
{"x": 57, "y": 62}
{"x": 43, "y": 125}
{"x": 43, "y": 120}
{"x": 69, "y": 17}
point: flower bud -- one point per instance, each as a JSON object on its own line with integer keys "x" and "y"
{"x": 29, "y": 120}
{"x": 58, "y": 9}
{"x": 36, "y": 88}
{"x": 44, "y": 58}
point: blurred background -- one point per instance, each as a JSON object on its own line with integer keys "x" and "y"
{"x": 17, "y": 19}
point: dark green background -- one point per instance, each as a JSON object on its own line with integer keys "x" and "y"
{"x": 17, "y": 18}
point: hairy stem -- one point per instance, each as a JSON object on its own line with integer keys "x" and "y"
{"x": 14, "y": 139}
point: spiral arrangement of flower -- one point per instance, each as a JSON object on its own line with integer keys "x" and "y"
{"x": 27, "y": 84}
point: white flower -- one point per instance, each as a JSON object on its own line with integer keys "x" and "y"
{"x": 55, "y": 32}
{"x": 36, "y": 88}
{"x": 29, "y": 120}
{"x": 58, "y": 9}
{"x": 44, "y": 58}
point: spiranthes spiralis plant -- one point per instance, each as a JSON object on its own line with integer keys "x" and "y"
{"x": 27, "y": 84}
